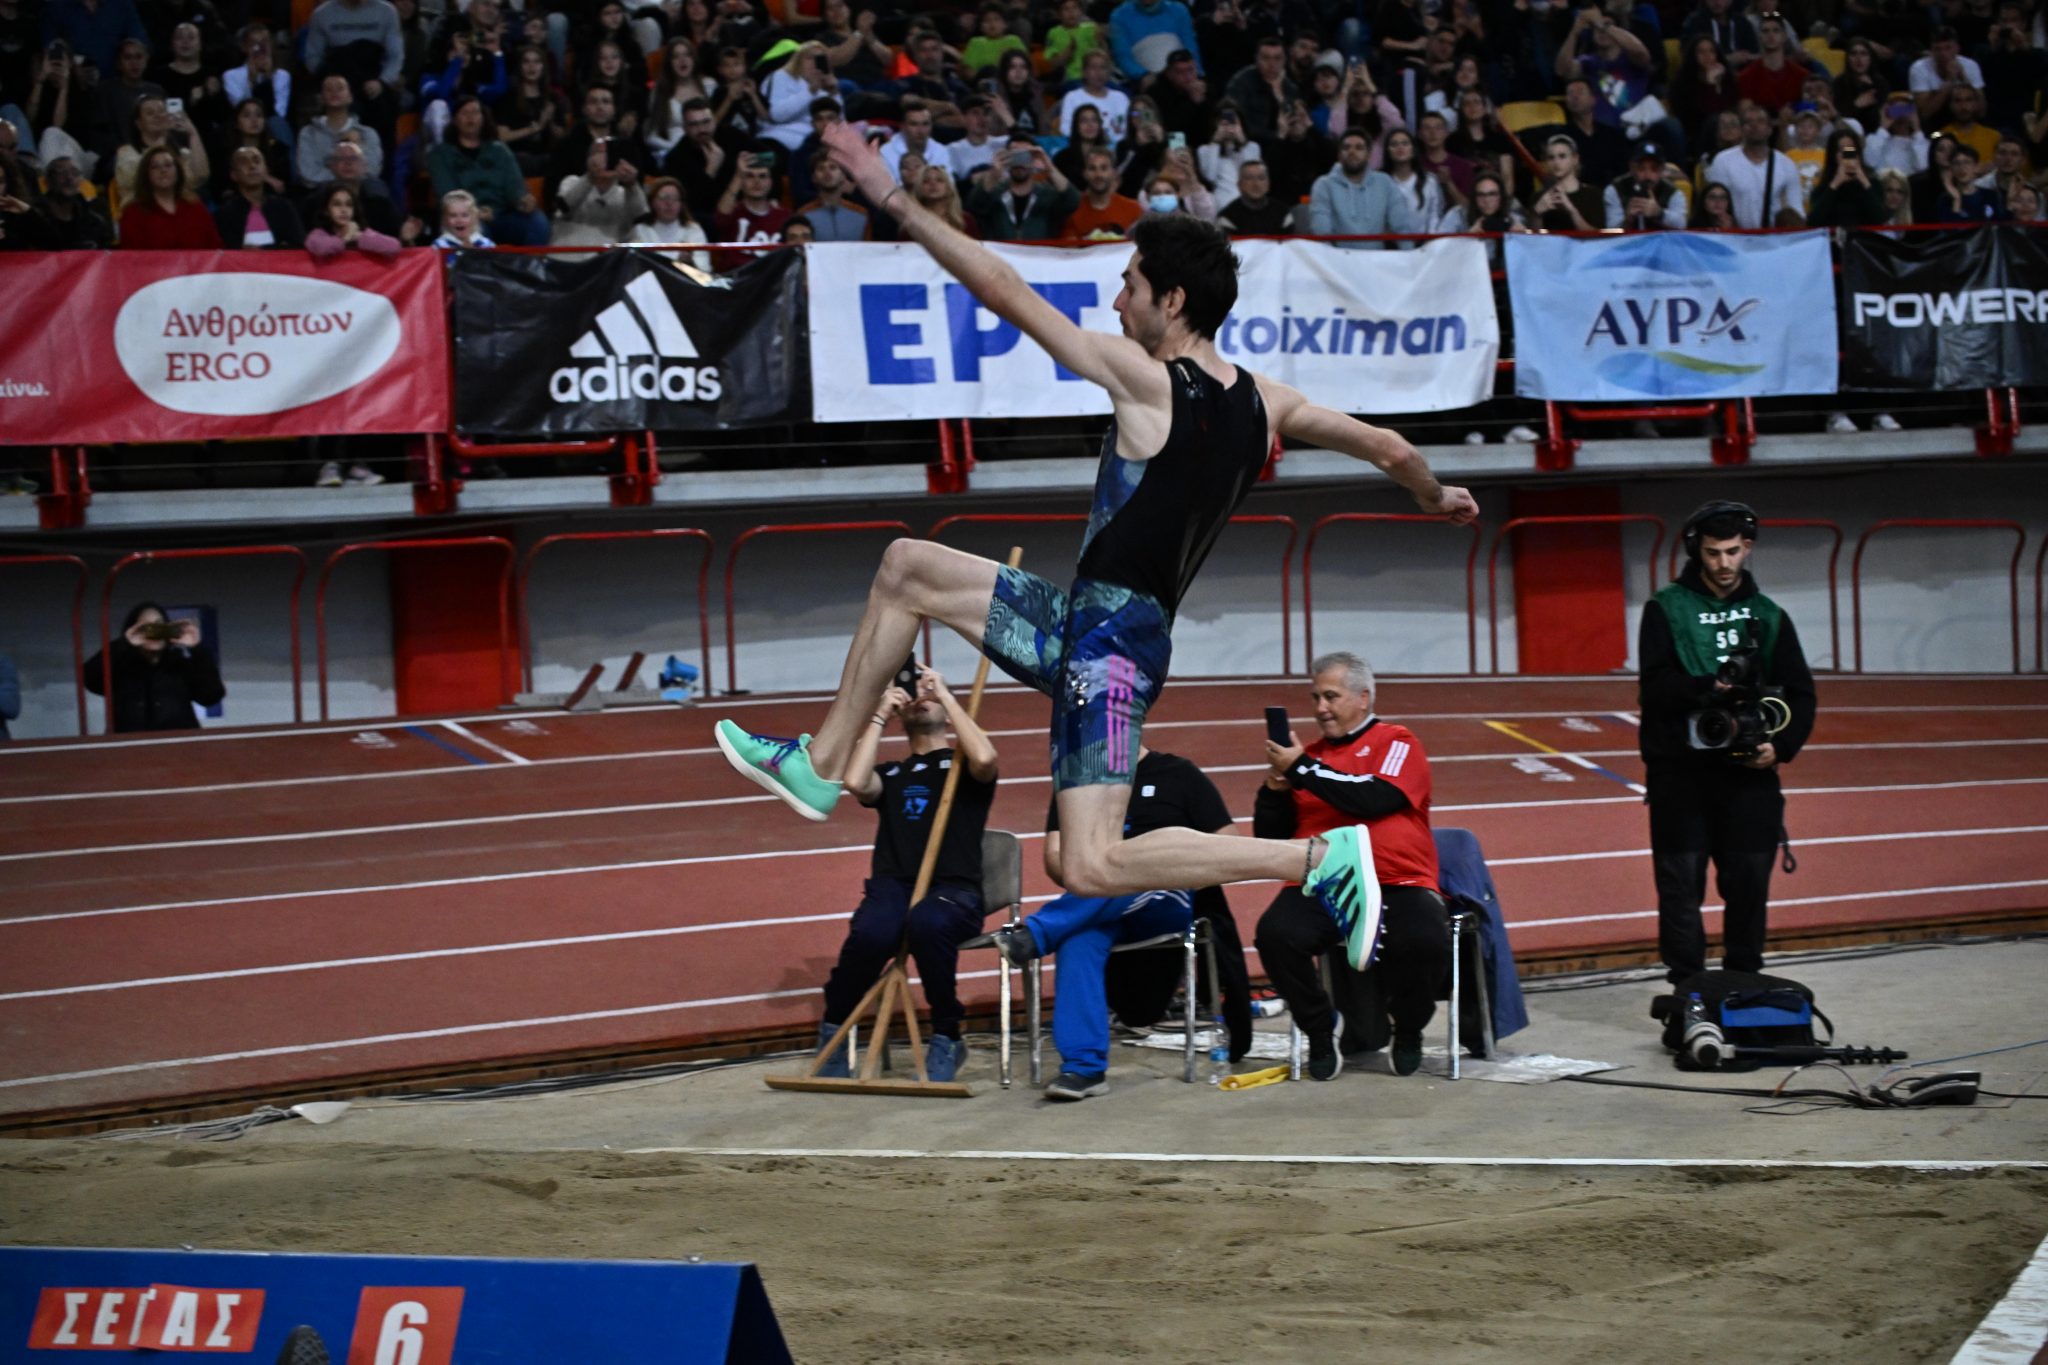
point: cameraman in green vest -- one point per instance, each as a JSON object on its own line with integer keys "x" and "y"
{"x": 1726, "y": 699}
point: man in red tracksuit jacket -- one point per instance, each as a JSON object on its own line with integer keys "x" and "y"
{"x": 1371, "y": 770}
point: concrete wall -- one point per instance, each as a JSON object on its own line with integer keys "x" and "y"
{"x": 1933, "y": 601}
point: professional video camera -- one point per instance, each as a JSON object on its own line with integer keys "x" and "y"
{"x": 1739, "y": 720}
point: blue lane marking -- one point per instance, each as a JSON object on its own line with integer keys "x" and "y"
{"x": 430, "y": 737}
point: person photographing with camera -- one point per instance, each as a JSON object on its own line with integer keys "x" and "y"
{"x": 161, "y": 671}
{"x": 1727, "y": 699}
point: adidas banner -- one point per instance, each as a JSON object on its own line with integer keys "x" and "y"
{"x": 1942, "y": 311}
{"x": 1671, "y": 315}
{"x": 1361, "y": 331}
{"x": 624, "y": 341}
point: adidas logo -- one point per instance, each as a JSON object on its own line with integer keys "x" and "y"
{"x": 629, "y": 354}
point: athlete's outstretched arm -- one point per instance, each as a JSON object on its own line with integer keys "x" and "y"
{"x": 1386, "y": 450}
{"x": 1117, "y": 363}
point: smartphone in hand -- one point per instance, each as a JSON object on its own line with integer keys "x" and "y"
{"x": 1276, "y": 727}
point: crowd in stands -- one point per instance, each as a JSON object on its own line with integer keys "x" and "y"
{"x": 375, "y": 125}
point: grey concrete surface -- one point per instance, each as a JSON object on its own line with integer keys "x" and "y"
{"x": 1934, "y": 1001}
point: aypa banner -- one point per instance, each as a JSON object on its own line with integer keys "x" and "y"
{"x": 893, "y": 336}
{"x": 196, "y": 345}
{"x": 623, "y": 341}
{"x": 1942, "y": 311}
{"x": 1671, "y": 315}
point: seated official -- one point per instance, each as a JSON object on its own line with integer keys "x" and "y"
{"x": 905, "y": 794}
{"x": 161, "y": 671}
{"x": 1370, "y": 770}
{"x": 1167, "y": 792}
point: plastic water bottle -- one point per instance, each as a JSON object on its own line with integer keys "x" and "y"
{"x": 1219, "y": 1051}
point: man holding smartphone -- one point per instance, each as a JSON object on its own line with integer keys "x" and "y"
{"x": 1370, "y": 771}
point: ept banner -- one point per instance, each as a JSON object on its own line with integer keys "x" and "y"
{"x": 624, "y": 341}
{"x": 1671, "y": 315}
{"x": 197, "y": 345}
{"x": 1948, "y": 310}
{"x": 893, "y": 336}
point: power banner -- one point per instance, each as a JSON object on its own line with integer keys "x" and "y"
{"x": 1361, "y": 331}
{"x": 1937, "y": 311}
{"x": 624, "y": 341}
{"x": 188, "y": 346}
{"x": 1662, "y": 315}
{"x": 381, "y": 1310}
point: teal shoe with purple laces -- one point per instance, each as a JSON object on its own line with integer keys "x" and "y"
{"x": 782, "y": 766}
{"x": 1345, "y": 884}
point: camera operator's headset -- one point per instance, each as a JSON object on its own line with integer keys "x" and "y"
{"x": 1693, "y": 530}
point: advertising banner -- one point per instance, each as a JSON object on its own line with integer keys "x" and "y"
{"x": 624, "y": 341}
{"x": 1949, "y": 310}
{"x": 1362, "y": 331}
{"x": 197, "y": 345}
{"x": 1671, "y": 315}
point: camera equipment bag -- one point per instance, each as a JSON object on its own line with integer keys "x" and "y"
{"x": 1752, "y": 1009}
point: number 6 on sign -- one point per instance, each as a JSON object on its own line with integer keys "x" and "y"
{"x": 405, "y": 1326}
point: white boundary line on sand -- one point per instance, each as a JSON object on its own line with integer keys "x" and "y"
{"x": 1341, "y": 1159}
{"x": 2015, "y": 1331}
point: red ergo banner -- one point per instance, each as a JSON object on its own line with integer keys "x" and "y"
{"x": 181, "y": 345}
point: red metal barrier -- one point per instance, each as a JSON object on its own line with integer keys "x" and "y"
{"x": 665, "y": 533}
{"x": 1247, "y": 519}
{"x": 1308, "y": 608}
{"x": 632, "y": 486}
{"x": 732, "y": 559}
{"x": 505, "y": 644}
{"x": 230, "y": 552}
{"x": 1942, "y": 524}
{"x": 1834, "y": 557}
{"x": 2040, "y": 559}
{"x": 1509, "y": 527}
{"x": 77, "y": 619}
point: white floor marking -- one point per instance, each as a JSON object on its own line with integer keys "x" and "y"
{"x": 500, "y": 750}
{"x": 1338, "y": 1159}
{"x": 2015, "y": 1331}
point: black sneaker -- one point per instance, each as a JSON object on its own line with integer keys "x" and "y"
{"x": 1013, "y": 941}
{"x": 303, "y": 1347}
{"x": 1324, "y": 1061}
{"x": 1076, "y": 1085}
{"x": 1407, "y": 1053}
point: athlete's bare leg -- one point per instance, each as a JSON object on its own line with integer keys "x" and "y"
{"x": 1096, "y": 859}
{"x": 917, "y": 580}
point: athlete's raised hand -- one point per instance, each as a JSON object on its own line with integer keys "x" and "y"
{"x": 864, "y": 165}
{"x": 1458, "y": 504}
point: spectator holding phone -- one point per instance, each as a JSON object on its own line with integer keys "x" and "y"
{"x": 1898, "y": 144}
{"x": 1020, "y": 208}
{"x": 748, "y": 211}
{"x": 156, "y": 126}
{"x": 161, "y": 671}
{"x": 1645, "y": 199}
{"x": 597, "y": 208}
{"x": 1846, "y": 196}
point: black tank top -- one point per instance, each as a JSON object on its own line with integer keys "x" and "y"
{"x": 1154, "y": 521}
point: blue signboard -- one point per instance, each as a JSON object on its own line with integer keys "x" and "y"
{"x": 382, "y": 1310}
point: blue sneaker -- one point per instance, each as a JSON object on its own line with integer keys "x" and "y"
{"x": 783, "y": 766}
{"x": 1346, "y": 886}
{"x": 942, "y": 1058}
{"x": 836, "y": 1066}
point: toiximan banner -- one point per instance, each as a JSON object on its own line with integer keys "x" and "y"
{"x": 1950, "y": 310}
{"x": 1663, "y": 315}
{"x": 195, "y": 345}
{"x": 624, "y": 340}
{"x": 1361, "y": 331}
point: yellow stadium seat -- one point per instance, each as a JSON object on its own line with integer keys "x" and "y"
{"x": 1833, "y": 58}
{"x": 1671, "y": 58}
{"x": 1529, "y": 114}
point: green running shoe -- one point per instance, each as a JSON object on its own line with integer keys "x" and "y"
{"x": 1346, "y": 886}
{"x": 783, "y": 766}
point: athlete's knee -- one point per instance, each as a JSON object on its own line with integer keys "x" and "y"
{"x": 904, "y": 568}
{"x": 1091, "y": 872}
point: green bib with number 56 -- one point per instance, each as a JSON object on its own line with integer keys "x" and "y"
{"x": 1707, "y": 629}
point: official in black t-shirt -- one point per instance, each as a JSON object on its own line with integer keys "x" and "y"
{"x": 905, "y": 795}
{"x": 1167, "y": 792}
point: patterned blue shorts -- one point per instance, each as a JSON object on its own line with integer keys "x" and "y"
{"x": 1100, "y": 651}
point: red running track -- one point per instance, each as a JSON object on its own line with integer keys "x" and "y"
{"x": 192, "y": 915}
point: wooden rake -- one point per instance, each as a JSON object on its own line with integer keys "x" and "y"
{"x": 891, "y": 995}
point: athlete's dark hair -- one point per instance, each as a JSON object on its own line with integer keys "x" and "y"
{"x": 1719, "y": 520}
{"x": 1179, "y": 251}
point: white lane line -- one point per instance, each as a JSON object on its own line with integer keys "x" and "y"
{"x": 1898, "y": 837}
{"x": 2015, "y": 1331}
{"x": 422, "y": 955}
{"x": 591, "y": 869}
{"x": 420, "y": 1035}
{"x": 1340, "y": 1159}
{"x": 1894, "y": 894}
{"x": 457, "y": 727}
